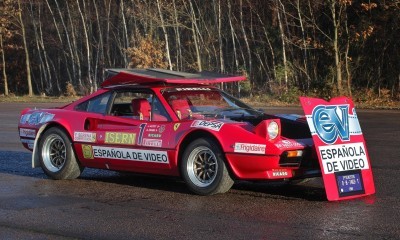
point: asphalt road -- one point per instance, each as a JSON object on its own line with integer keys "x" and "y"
{"x": 108, "y": 205}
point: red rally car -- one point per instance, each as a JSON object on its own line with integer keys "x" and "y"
{"x": 169, "y": 123}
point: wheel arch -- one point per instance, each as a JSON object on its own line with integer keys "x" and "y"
{"x": 196, "y": 135}
{"x": 43, "y": 129}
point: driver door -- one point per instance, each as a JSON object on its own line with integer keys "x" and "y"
{"x": 132, "y": 136}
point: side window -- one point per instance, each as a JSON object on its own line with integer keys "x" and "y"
{"x": 95, "y": 105}
{"x": 138, "y": 105}
{"x": 82, "y": 107}
{"x": 159, "y": 111}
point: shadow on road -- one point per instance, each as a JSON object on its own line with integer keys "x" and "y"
{"x": 19, "y": 163}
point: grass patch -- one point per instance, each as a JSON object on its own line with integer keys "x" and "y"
{"x": 39, "y": 99}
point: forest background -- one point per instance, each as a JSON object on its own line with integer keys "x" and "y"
{"x": 286, "y": 48}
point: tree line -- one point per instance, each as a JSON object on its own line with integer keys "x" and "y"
{"x": 325, "y": 47}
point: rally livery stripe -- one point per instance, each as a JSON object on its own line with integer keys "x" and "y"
{"x": 130, "y": 154}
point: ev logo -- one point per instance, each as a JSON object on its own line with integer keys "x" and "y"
{"x": 330, "y": 122}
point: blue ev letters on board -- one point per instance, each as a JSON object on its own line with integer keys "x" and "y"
{"x": 329, "y": 125}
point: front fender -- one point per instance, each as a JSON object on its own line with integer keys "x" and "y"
{"x": 35, "y": 154}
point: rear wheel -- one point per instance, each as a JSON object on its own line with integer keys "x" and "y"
{"x": 203, "y": 168}
{"x": 57, "y": 158}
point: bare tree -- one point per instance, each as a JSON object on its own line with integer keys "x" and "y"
{"x": 3, "y": 61}
{"x": 4, "y": 32}
{"x": 336, "y": 17}
{"x": 246, "y": 40}
{"x": 88, "y": 55}
{"x": 21, "y": 26}
{"x": 194, "y": 28}
{"x": 67, "y": 35}
{"x": 308, "y": 45}
{"x": 283, "y": 41}
{"x": 179, "y": 60}
{"x": 165, "y": 35}
{"x": 74, "y": 44}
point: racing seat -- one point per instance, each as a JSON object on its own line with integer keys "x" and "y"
{"x": 141, "y": 107}
{"x": 182, "y": 108}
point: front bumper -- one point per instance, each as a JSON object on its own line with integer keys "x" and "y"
{"x": 267, "y": 167}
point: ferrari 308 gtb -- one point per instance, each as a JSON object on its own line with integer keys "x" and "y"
{"x": 169, "y": 123}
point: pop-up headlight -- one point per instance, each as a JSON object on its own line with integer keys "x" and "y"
{"x": 273, "y": 130}
{"x": 269, "y": 129}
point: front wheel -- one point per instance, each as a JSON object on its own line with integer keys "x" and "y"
{"x": 57, "y": 158}
{"x": 203, "y": 168}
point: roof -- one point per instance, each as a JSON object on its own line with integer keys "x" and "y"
{"x": 123, "y": 76}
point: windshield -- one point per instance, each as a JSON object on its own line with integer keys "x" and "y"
{"x": 205, "y": 102}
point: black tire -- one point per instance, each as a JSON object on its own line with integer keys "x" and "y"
{"x": 203, "y": 168}
{"x": 57, "y": 158}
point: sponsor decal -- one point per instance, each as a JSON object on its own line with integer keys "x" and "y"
{"x": 87, "y": 151}
{"x": 341, "y": 149}
{"x": 84, "y": 137}
{"x": 29, "y": 142}
{"x": 350, "y": 183}
{"x": 151, "y": 130}
{"x": 26, "y": 132}
{"x": 193, "y": 89}
{"x": 213, "y": 125}
{"x": 176, "y": 126}
{"x": 120, "y": 138}
{"x": 154, "y": 135}
{"x": 288, "y": 144}
{"x": 152, "y": 142}
{"x": 140, "y": 137}
{"x": 279, "y": 173}
{"x": 333, "y": 122}
{"x": 155, "y": 128}
{"x": 130, "y": 154}
{"x": 249, "y": 148}
{"x": 346, "y": 157}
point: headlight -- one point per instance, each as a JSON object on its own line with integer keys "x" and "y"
{"x": 24, "y": 118}
{"x": 36, "y": 118}
{"x": 46, "y": 117}
{"x": 273, "y": 129}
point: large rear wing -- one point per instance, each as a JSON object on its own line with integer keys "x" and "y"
{"x": 154, "y": 75}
